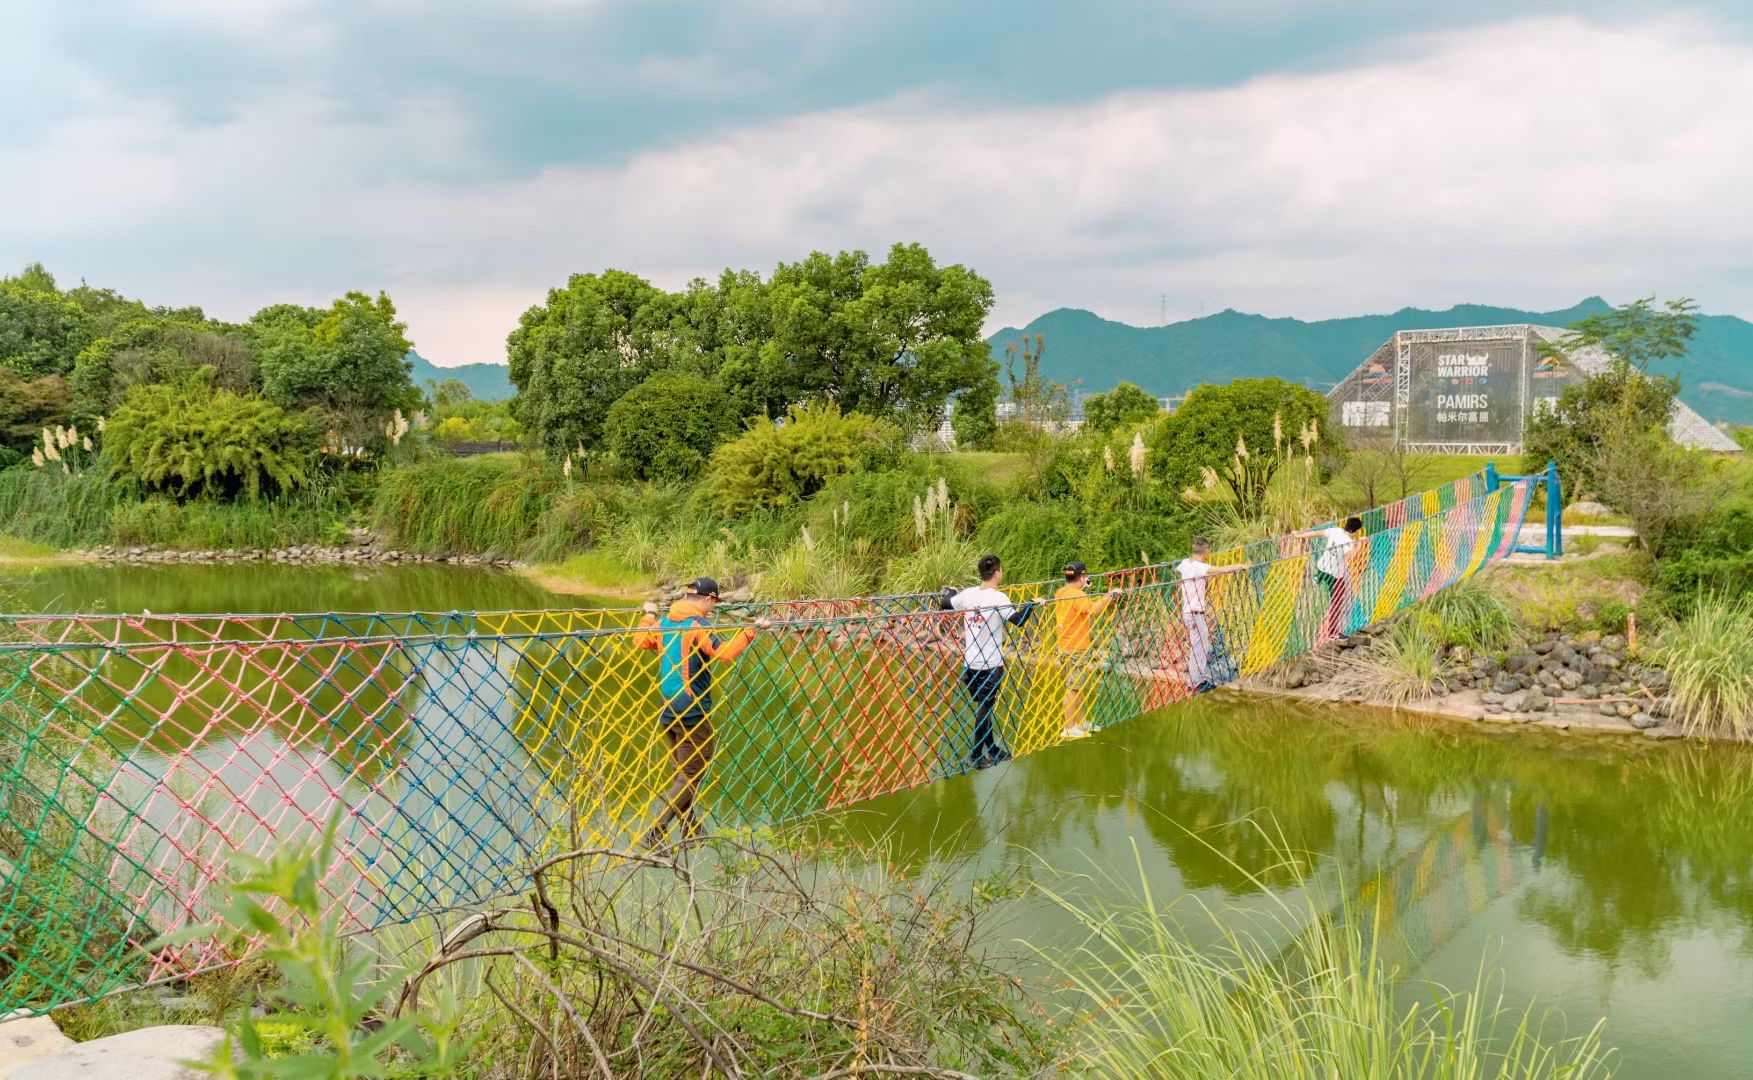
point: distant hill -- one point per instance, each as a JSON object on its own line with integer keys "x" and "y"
{"x": 1716, "y": 379}
{"x": 486, "y": 382}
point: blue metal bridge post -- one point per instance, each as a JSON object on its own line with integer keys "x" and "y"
{"x": 1554, "y": 512}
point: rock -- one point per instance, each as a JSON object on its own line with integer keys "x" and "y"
{"x": 1588, "y": 508}
{"x": 1547, "y": 679}
{"x": 1587, "y": 691}
{"x": 1607, "y": 708}
{"x": 1655, "y": 679}
{"x": 1504, "y": 684}
{"x": 1486, "y": 666}
{"x": 1625, "y": 708}
{"x": 1613, "y": 643}
{"x": 1556, "y": 723}
{"x": 1493, "y": 707}
{"x": 1563, "y": 653}
{"x": 1516, "y": 701}
{"x": 1536, "y": 702}
{"x": 1608, "y": 661}
{"x": 154, "y": 1053}
{"x": 1459, "y": 654}
{"x": 1643, "y": 720}
{"x": 1569, "y": 680}
{"x": 27, "y": 1039}
{"x": 1491, "y": 697}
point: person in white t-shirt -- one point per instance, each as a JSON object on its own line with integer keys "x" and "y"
{"x": 1194, "y": 573}
{"x": 985, "y": 611}
{"x": 1333, "y": 570}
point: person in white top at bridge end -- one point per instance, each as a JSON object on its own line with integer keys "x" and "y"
{"x": 985, "y": 611}
{"x": 1333, "y": 569}
{"x": 1196, "y": 610}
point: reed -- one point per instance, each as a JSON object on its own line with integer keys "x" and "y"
{"x": 1709, "y": 659}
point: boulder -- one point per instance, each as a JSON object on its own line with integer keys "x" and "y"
{"x": 1588, "y": 508}
{"x": 27, "y": 1039}
{"x": 1654, "y": 678}
{"x": 1587, "y": 691}
{"x": 1613, "y": 643}
{"x": 1547, "y": 679}
{"x": 1536, "y": 702}
{"x": 1491, "y": 697}
{"x": 1607, "y": 708}
{"x": 154, "y": 1053}
{"x": 1643, "y": 721}
{"x": 1516, "y": 701}
{"x": 1503, "y": 685}
{"x": 1570, "y": 680}
{"x": 1625, "y": 708}
{"x": 1543, "y": 647}
{"x": 1563, "y": 653}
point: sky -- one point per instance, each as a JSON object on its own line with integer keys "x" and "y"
{"x": 1307, "y": 158}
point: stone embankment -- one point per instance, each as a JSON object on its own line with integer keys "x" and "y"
{"x": 1587, "y": 681}
{"x": 362, "y": 547}
{"x": 33, "y": 1048}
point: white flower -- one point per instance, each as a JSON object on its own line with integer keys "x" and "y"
{"x": 1209, "y": 475}
{"x": 1241, "y": 448}
{"x": 1108, "y": 458}
{"x": 37, "y": 459}
{"x": 87, "y": 444}
{"x": 566, "y": 468}
{"x": 809, "y": 542}
{"x": 1138, "y": 454}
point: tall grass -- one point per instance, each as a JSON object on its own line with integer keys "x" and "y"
{"x": 1150, "y": 1003}
{"x": 1709, "y": 659}
{"x": 53, "y": 508}
{"x": 1469, "y": 613}
{"x": 1403, "y": 665}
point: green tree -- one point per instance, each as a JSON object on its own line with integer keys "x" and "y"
{"x": 892, "y": 339}
{"x": 1639, "y": 333}
{"x": 1123, "y": 407}
{"x": 975, "y": 415}
{"x": 1242, "y": 433}
{"x": 157, "y": 348}
{"x": 190, "y": 440}
{"x": 665, "y": 428}
{"x": 778, "y": 464}
{"x": 576, "y": 355}
{"x": 41, "y": 331}
{"x": 349, "y": 363}
{"x": 1039, "y": 401}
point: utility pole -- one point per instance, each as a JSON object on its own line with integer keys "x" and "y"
{"x": 1163, "y": 312}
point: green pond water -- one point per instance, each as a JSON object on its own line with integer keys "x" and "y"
{"x": 1601, "y": 877}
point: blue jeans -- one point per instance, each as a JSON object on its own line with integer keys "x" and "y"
{"x": 983, "y": 685}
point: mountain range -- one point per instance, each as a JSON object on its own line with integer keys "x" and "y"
{"x": 486, "y": 382}
{"x": 1093, "y": 354}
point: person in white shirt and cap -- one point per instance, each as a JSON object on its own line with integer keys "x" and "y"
{"x": 1196, "y": 610}
{"x": 985, "y": 611}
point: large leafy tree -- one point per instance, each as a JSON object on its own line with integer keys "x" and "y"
{"x": 159, "y": 347}
{"x": 349, "y": 363}
{"x": 892, "y": 339}
{"x": 41, "y": 331}
{"x": 190, "y": 439}
{"x": 26, "y": 407}
{"x": 574, "y": 356}
{"x": 1243, "y": 432}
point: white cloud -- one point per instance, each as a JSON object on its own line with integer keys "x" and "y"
{"x": 1527, "y": 163}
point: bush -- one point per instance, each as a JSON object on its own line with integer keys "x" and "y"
{"x": 1709, "y": 659}
{"x": 1035, "y": 540}
{"x": 1715, "y": 555}
{"x": 1120, "y": 409}
{"x": 774, "y": 465}
{"x": 190, "y": 440}
{"x": 666, "y": 427}
{"x": 1467, "y": 613}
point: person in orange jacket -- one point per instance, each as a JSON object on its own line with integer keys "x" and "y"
{"x": 1076, "y": 612}
{"x": 688, "y": 650}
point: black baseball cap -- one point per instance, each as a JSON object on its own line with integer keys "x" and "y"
{"x": 704, "y": 586}
{"x": 1075, "y": 569}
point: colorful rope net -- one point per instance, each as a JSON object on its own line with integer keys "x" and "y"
{"x": 139, "y": 753}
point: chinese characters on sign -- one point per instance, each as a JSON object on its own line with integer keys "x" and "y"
{"x": 1364, "y": 413}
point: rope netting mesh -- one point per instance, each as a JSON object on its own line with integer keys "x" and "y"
{"x": 138, "y": 753}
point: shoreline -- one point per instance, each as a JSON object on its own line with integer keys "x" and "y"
{"x": 1467, "y": 706}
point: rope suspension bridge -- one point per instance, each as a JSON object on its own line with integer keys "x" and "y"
{"x": 139, "y": 753}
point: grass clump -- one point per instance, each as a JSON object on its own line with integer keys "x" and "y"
{"x": 1470, "y": 614}
{"x": 1709, "y": 659}
{"x": 1300, "y": 992}
{"x": 1403, "y": 665}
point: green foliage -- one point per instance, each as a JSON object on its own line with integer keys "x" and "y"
{"x": 191, "y": 440}
{"x": 27, "y": 406}
{"x": 1120, "y": 409}
{"x": 1468, "y": 613}
{"x": 1404, "y": 664}
{"x": 1244, "y": 432}
{"x": 328, "y": 992}
{"x": 1152, "y": 995}
{"x": 1665, "y": 489}
{"x": 975, "y": 416}
{"x": 1592, "y": 419}
{"x": 41, "y": 331}
{"x": 349, "y": 363}
{"x": 776, "y": 465}
{"x": 895, "y": 338}
{"x": 157, "y": 349}
{"x": 665, "y": 428}
{"x": 1709, "y": 659}
{"x": 1637, "y": 333}
{"x": 574, "y": 356}
{"x": 1035, "y": 540}
{"x": 1715, "y": 555}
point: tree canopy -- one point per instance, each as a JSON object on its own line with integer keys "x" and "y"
{"x": 1253, "y": 422}
{"x": 349, "y": 363}
{"x": 1123, "y": 407}
{"x": 665, "y": 428}
{"x": 190, "y": 439}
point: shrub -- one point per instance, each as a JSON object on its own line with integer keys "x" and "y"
{"x": 1122, "y": 408}
{"x": 1403, "y": 666}
{"x": 776, "y": 465}
{"x": 1709, "y": 659}
{"x": 1035, "y": 540}
{"x": 1243, "y": 432}
{"x": 1467, "y": 613}
{"x": 190, "y": 440}
{"x": 666, "y": 427}
{"x": 1715, "y": 555}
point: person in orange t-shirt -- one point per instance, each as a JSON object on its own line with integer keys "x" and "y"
{"x": 1076, "y": 611}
